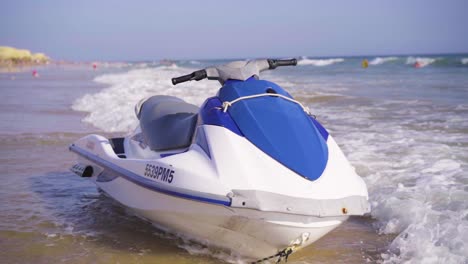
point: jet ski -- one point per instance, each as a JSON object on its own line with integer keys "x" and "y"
{"x": 251, "y": 171}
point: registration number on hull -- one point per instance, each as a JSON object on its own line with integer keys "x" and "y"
{"x": 159, "y": 173}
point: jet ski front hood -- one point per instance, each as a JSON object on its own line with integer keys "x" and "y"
{"x": 278, "y": 127}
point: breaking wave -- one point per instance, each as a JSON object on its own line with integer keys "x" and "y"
{"x": 422, "y": 62}
{"x": 319, "y": 62}
{"x": 112, "y": 109}
{"x": 380, "y": 60}
{"x": 414, "y": 174}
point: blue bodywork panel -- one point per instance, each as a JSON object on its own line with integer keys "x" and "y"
{"x": 278, "y": 127}
{"x": 211, "y": 114}
{"x": 320, "y": 128}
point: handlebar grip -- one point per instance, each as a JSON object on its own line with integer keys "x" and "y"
{"x": 291, "y": 62}
{"x": 181, "y": 79}
{"x": 194, "y": 76}
{"x": 277, "y": 63}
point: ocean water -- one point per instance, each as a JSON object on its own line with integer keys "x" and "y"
{"x": 404, "y": 129}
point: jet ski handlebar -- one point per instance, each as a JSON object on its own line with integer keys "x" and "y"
{"x": 194, "y": 76}
{"x": 236, "y": 70}
{"x": 277, "y": 63}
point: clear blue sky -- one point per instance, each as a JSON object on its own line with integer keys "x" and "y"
{"x": 86, "y": 30}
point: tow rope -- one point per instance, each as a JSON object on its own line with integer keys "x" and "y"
{"x": 283, "y": 254}
{"x": 228, "y": 104}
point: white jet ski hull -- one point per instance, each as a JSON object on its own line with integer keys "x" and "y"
{"x": 250, "y": 233}
{"x": 253, "y": 223}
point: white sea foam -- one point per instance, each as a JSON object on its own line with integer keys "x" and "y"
{"x": 415, "y": 175}
{"x": 464, "y": 61}
{"x": 198, "y": 249}
{"x": 193, "y": 248}
{"x": 380, "y": 60}
{"x": 112, "y": 108}
{"x": 423, "y": 62}
{"x": 319, "y": 62}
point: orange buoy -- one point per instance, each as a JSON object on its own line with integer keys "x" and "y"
{"x": 94, "y": 66}
{"x": 35, "y": 74}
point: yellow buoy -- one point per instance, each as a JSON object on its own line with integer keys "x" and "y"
{"x": 365, "y": 63}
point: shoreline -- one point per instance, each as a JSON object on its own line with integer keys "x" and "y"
{"x": 12, "y": 58}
